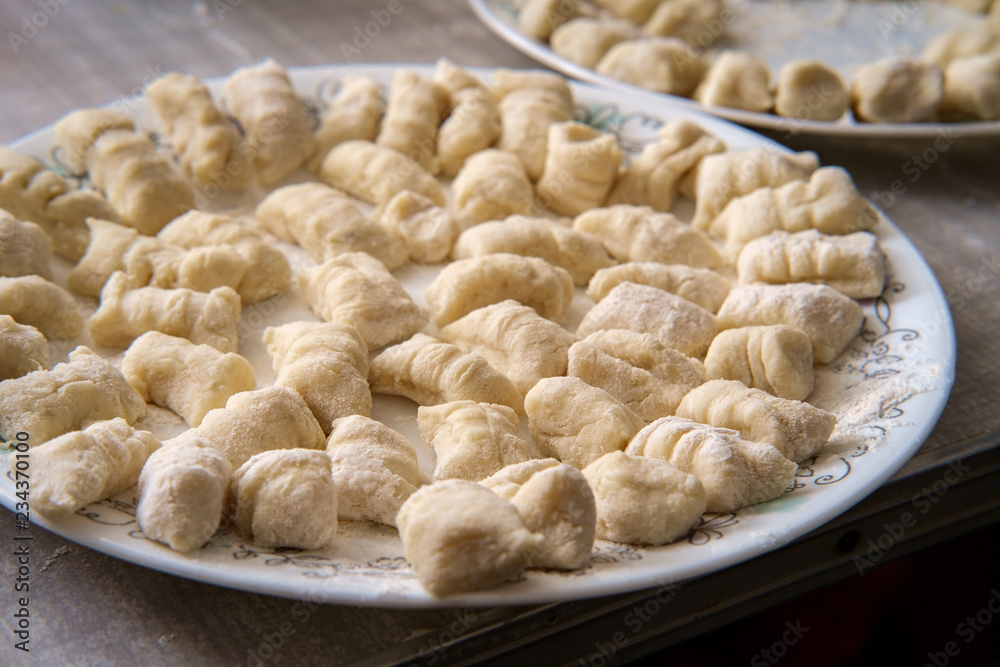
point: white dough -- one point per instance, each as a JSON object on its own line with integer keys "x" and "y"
{"x": 25, "y": 248}
{"x": 776, "y": 358}
{"x": 471, "y": 440}
{"x": 491, "y": 185}
{"x": 737, "y": 80}
{"x": 704, "y": 287}
{"x": 581, "y": 165}
{"x": 23, "y": 349}
{"x": 42, "y": 304}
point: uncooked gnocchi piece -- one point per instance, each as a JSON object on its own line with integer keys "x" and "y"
{"x": 581, "y": 165}
{"x": 474, "y": 122}
{"x": 76, "y": 133}
{"x": 353, "y": 113}
{"x": 737, "y": 80}
{"x": 471, "y": 440}
{"x": 430, "y": 372}
{"x": 326, "y": 223}
{"x": 640, "y": 234}
{"x": 412, "y": 117}
{"x": 663, "y": 64}
{"x": 460, "y": 536}
{"x": 643, "y": 500}
{"x": 491, "y": 185}
{"x": 427, "y": 231}
{"x": 42, "y": 304}
{"x": 584, "y": 40}
{"x": 357, "y": 289}
{"x": 982, "y": 38}
{"x": 795, "y": 428}
{"x": 30, "y": 191}
{"x": 210, "y": 149}
{"x": 189, "y": 379}
{"x": 972, "y": 88}
{"x": 25, "y": 248}
{"x": 529, "y": 102}
{"x": 653, "y": 177}
{"x": 675, "y": 322}
{"x": 326, "y": 363}
{"x": 853, "y": 264}
{"x": 23, "y": 349}
{"x": 515, "y": 340}
{"x": 279, "y": 134}
{"x": 467, "y": 284}
{"x": 897, "y": 90}
{"x": 259, "y": 421}
{"x": 374, "y": 467}
{"x": 555, "y": 500}
{"x": 125, "y": 314}
{"x": 285, "y": 498}
{"x": 828, "y": 202}
{"x": 830, "y": 319}
{"x": 577, "y": 423}
{"x": 538, "y": 18}
{"x": 149, "y": 262}
{"x": 734, "y": 472}
{"x": 810, "y": 90}
{"x": 776, "y": 358}
{"x": 74, "y": 394}
{"x": 636, "y": 11}
{"x": 105, "y": 254}
{"x": 82, "y": 467}
{"x": 580, "y": 254}
{"x": 704, "y": 287}
{"x": 694, "y": 21}
{"x": 376, "y": 173}
{"x": 182, "y": 492}
{"x": 636, "y": 369}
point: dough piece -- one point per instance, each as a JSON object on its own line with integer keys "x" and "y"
{"x": 153, "y": 263}
{"x": 353, "y": 113}
{"x": 32, "y": 192}
{"x": 278, "y": 131}
{"x": 636, "y": 11}
{"x": 636, "y": 369}
{"x": 827, "y": 202}
{"x": 105, "y": 254}
{"x": 675, "y": 322}
{"x": 663, "y": 64}
{"x": 698, "y": 22}
{"x": 734, "y": 472}
{"x": 460, "y": 536}
{"x": 376, "y": 174}
{"x": 580, "y": 254}
{"x": 515, "y": 340}
{"x": 491, "y": 186}
{"x": 430, "y": 372}
{"x": 972, "y": 88}
{"x": 581, "y": 165}
{"x": 467, "y": 284}
{"x": 796, "y": 429}
{"x": 640, "y": 234}
{"x": 375, "y": 469}
{"x": 25, "y": 248}
{"x": 577, "y": 423}
{"x": 853, "y": 264}
{"x": 268, "y": 272}
{"x": 737, "y": 80}
{"x": 830, "y": 319}
{"x": 427, "y": 231}
{"x": 471, "y": 440}
{"x": 584, "y": 40}
{"x": 554, "y": 499}
{"x": 653, "y": 177}
{"x": 326, "y": 223}
{"x": 42, "y": 304}
{"x": 810, "y": 90}
{"x": 643, "y": 500}
{"x": 538, "y": 18}
{"x": 721, "y": 178}
{"x": 23, "y": 349}
{"x": 212, "y": 318}
{"x": 77, "y": 131}
{"x": 528, "y": 103}
{"x": 703, "y": 287}
{"x": 326, "y": 363}
{"x": 74, "y": 394}
{"x": 983, "y": 38}
{"x": 78, "y": 468}
{"x": 211, "y": 151}
{"x": 182, "y": 492}
{"x": 412, "y": 118}
{"x": 189, "y": 379}
{"x": 259, "y": 421}
{"x": 357, "y": 289}
{"x": 285, "y": 498}
{"x": 777, "y": 359}
{"x": 474, "y": 122}
{"x": 897, "y": 90}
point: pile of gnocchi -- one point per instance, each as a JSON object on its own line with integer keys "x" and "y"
{"x": 682, "y": 389}
{"x": 659, "y": 45}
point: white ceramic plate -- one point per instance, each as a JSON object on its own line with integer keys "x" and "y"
{"x": 888, "y": 390}
{"x": 843, "y": 34}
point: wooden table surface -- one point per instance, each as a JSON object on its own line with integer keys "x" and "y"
{"x": 92, "y": 609}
